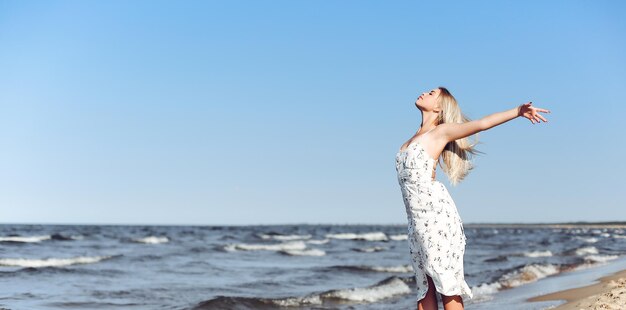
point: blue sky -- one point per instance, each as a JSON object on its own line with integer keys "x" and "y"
{"x": 270, "y": 112}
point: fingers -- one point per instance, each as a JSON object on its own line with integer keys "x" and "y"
{"x": 532, "y": 113}
{"x": 541, "y": 117}
{"x": 535, "y": 117}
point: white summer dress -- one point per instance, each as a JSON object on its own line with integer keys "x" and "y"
{"x": 435, "y": 231}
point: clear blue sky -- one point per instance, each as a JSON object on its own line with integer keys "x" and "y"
{"x": 265, "y": 112}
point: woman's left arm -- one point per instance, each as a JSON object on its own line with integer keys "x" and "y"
{"x": 458, "y": 131}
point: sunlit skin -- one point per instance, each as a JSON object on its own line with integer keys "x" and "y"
{"x": 437, "y": 139}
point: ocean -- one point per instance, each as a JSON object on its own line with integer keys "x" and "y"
{"x": 274, "y": 266}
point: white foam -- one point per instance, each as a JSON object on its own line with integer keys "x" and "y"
{"x": 287, "y": 246}
{"x": 587, "y": 239}
{"x": 538, "y": 253}
{"x": 323, "y": 241}
{"x": 618, "y": 236}
{"x": 586, "y": 250}
{"x": 399, "y": 237}
{"x": 285, "y": 237}
{"x": 29, "y": 239}
{"x": 371, "y": 249}
{"x": 605, "y": 235}
{"x": 309, "y": 252}
{"x": 486, "y": 288}
{"x": 385, "y": 289}
{"x": 374, "y": 236}
{"x": 395, "y": 269}
{"x": 527, "y": 274}
{"x": 600, "y": 258}
{"x": 51, "y": 262}
{"x": 298, "y": 301}
{"x": 152, "y": 240}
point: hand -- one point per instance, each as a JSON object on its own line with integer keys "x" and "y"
{"x": 531, "y": 113}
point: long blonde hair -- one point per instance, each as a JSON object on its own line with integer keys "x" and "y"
{"x": 456, "y": 154}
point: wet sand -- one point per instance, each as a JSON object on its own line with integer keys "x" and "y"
{"x": 609, "y": 293}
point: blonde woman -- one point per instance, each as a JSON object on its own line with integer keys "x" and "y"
{"x": 436, "y": 236}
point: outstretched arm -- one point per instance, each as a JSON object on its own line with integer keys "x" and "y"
{"x": 453, "y": 131}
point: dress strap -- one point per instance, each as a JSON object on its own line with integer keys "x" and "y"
{"x": 429, "y": 130}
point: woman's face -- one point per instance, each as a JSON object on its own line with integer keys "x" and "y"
{"x": 428, "y": 100}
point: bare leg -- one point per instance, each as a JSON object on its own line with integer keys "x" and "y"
{"x": 429, "y": 302}
{"x": 452, "y": 302}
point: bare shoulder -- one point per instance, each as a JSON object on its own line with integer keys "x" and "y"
{"x": 439, "y": 134}
{"x": 436, "y": 141}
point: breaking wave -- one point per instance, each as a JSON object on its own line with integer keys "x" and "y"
{"x": 51, "y": 262}
{"x": 283, "y": 237}
{"x": 152, "y": 240}
{"x": 309, "y": 252}
{"x": 374, "y": 236}
{"x": 538, "y": 253}
{"x": 286, "y": 246}
{"x": 387, "y": 288}
{"x": 365, "y": 268}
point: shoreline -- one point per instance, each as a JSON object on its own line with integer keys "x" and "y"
{"x": 608, "y": 293}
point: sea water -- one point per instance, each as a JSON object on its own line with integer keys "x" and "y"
{"x": 268, "y": 267}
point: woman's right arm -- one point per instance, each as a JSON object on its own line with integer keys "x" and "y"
{"x": 458, "y": 131}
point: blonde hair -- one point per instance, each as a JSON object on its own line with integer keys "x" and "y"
{"x": 456, "y": 154}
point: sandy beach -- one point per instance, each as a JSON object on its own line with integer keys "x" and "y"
{"x": 609, "y": 293}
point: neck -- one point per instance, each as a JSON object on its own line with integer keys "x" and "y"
{"x": 429, "y": 120}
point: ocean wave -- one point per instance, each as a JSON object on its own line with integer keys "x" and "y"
{"x": 366, "y": 268}
{"x": 152, "y": 240}
{"x": 586, "y": 250}
{"x": 499, "y": 258}
{"x": 25, "y": 239}
{"x": 387, "y": 288}
{"x": 284, "y": 237}
{"x": 538, "y": 253}
{"x": 370, "y": 249}
{"x": 374, "y": 236}
{"x": 309, "y": 252}
{"x": 322, "y": 241}
{"x": 36, "y": 239}
{"x": 51, "y": 262}
{"x": 527, "y": 274}
{"x": 619, "y": 236}
{"x": 518, "y": 276}
{"x": 600, "y": 258}
{"x": 286, "y": 246}
{"x": 399, "y": 237}
{"x": 486, "y": 289}
{"x": 587, "y": 239}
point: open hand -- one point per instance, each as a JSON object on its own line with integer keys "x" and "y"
{"x": 531, "y": 113}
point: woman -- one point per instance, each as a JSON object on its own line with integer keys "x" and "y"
{"x": 436, "y": 237}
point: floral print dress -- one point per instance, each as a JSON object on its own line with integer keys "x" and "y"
{"x": 435, "y": 231}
